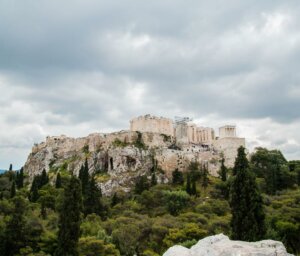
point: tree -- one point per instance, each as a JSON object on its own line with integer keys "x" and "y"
{"x": 176, "y": 201}
{"x": 13, "y": 190}
{"x": 84, "y": 176}
{"x": 10, "y": 167}
{"x": 69, "y": 219}
{"x": 58, "y": 181}
{"x": 20, "y": 179}
{"x": 205, "y": 179}
{"x": 141, "y": 184}
{"x": 153, "y": 179}
{"x": 223, "y": 171}
{"x": 114, "y": 200}
{"x": 177, "y": 177}
{"x": 92, "y": 200}
{"x": 34, "y": 190}
{"x": 194, "y": 188}
{"x": 188, "y": 184}
{"x": 44, "y": 179}
{"x": 15, "y": 229}
{"x": 274, "y": 168}
{"x": 247, "y": 222}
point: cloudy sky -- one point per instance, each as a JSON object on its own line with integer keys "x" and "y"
{"x": 77, "y": 67}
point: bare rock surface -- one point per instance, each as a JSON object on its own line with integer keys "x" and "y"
{"x": 221, "y": 245}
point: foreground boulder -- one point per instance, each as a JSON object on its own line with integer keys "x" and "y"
{"x": 221, "y": 245}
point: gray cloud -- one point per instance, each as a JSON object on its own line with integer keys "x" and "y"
{"x": 76, "y": 67}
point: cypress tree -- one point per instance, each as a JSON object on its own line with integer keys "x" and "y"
{"x": 205, "y": 179}
{"x": 114, "y": 200}
{"x": 92, "y": 201}
{"x": 246, "y": 203}
{"x": 20, "y": 179}
{"x": 58, "y": 181}
{"x": 223, "y": 171}
{"x": 188, "y": 184}
{"x": 15, "y": 229}
{"x": 13, "y": 190}
{"x": 34, "y": 190}
{"x": 153, "y": 179}
{"x": 44, "y": 179}
{"x": 10, "y": 167}
{"x": 69, "y": 220}
{"x": 194, "y": 188}
{"x": 177, "y": 177}
{"x": 84, "y": 177}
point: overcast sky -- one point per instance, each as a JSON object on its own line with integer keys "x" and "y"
{"x": 77, "y": 67}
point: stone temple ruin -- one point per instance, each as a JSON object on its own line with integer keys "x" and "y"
{"x": 188, "y": 134}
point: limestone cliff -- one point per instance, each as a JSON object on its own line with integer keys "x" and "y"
{"x": 118, "y": 158}
{"x": 220, "y": 245}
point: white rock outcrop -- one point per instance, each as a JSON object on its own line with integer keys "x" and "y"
{"x": 221, "y": 245}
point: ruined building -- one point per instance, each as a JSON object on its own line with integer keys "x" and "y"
{"x": 186, "y": 134}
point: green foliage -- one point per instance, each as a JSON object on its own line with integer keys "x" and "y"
{"x": 189, "y": 232}
{"x": 188, "y": 187}
{"x": 177, "y": 177}
{"x": 176, "y": 201}
{"x": 139, "y": 143}
{"x": 273, "y": 167}
{"x": 14, "y": 236}
{"x": 13, "y": 190}
{"x": 141, "y": 184}
{"x": 92, "y": 199}
{"x": 69, "y": 220}
{"x": 58, "y": 181}
{"x": 223, "y": 171}
{"x": 118, "y": 143}
{"x": 91, "y": 246}
{"x": 246, "y": 203}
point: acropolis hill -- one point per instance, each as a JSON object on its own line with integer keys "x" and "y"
{"x": 152, "y": 144}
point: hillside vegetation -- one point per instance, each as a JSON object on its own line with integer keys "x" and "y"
{"x": 67, "y": 212}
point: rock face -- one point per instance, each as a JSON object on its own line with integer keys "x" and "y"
{"x": 119, "y": 158}
{"x": 221, "y": 245}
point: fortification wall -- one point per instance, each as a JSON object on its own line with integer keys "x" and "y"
{"x": 152, "y": 124}
{"x": 228, "y": 146}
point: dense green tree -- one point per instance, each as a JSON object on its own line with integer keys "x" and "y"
{"x": 177, "y": 177}
{"x": 15, "y": 236}
{"x": 10, "y": 167}
{"x": 223, "y": 171}
{"x": 153, "y": 179}
{"x": 58, "y": 181}
{"x": 20, "y": 179}
{"x": 84, "y": 177}
{"x": 114, "y": 200}
{"x": 34, "y": 190}
{"x": 44, "y": 179}
{"x": 13, "y": 190}
{"x": 194, "y": 188}
{"x": 274, "y": 168}
{"x": 176, "y": 201}
{"x": 92, "y": 200}
{"x": 205, "y": 179}
{"x": 188, "y": 188}
{"x": 246, "y": 203}
{"x": 141, "y": 184}
{"x": 69, "y": 219}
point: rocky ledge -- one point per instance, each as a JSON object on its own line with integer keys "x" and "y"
{"x": 221, "y": 245}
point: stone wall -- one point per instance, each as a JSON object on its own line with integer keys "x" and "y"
{"x": 228, "y": 147}
{"x": 152, "y": 124}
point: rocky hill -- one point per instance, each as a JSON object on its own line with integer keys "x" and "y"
{"x": 119, "y": 158}
{"x": 220, "y": 245}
